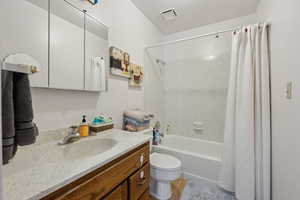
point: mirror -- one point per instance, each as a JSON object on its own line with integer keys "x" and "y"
{"x": 70, "y": 45}
{"x": 20, "y": 36}
{"x": 66, "y": 46}
{"x": 78, "y": 49}
{"x": 96, "y": 54}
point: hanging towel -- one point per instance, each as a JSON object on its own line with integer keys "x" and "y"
{"x": 26, "y": 130}
{"x": 17, "y": 113}
{"x": 98, "y": 75}
{"x": 8, "y": 124}
{"x": 102, "y": 75}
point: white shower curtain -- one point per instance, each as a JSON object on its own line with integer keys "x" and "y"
{"x": 246, "y": 159}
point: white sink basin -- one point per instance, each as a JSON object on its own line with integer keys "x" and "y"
{"x": 87, "y": 148}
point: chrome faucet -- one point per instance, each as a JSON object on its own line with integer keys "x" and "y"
{"x": 73, "y": 135}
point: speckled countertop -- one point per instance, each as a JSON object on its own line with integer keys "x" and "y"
{"x": 40, "y": 169}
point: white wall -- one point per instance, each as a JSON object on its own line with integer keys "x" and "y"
{"x": 196, "y": 79}
{"x": 129, "y": 30}
{"x": 285, "y": 66}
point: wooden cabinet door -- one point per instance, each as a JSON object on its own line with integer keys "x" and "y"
{"x": 139, "y": 182}
{"x": 120, "y": 193}
{"x": 145, "y": 196}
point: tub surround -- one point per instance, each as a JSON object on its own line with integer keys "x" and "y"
{"x": 200, "y": 158}
{"x": 43, "y": 168}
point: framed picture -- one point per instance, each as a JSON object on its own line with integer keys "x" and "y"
{"x": 136, "y": 75}
{"x": 119, "y": 62}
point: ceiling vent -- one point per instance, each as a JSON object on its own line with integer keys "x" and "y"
{"x": 169, "y": 14}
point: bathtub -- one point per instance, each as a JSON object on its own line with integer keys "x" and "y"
{"x": 200, "y": 158}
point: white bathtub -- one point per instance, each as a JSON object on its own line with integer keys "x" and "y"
{"x": 200, "y": 158}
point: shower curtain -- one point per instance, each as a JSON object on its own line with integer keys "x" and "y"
{"x": 246, "y": 159}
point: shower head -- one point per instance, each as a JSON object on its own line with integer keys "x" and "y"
{"x": 158, "y": 61}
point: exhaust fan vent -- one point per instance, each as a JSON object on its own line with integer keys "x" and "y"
{"x": 169, "y": 14}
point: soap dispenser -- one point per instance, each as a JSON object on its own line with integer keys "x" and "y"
{"x": 84, "y": 127}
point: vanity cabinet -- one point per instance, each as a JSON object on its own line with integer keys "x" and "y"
{"x": 120, "y": 193}
{"x": 125, "y": 178}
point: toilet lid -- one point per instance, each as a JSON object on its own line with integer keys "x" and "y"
{"x": 163, "y": 161}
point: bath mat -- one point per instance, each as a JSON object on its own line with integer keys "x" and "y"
{"x": 204, "y": 190}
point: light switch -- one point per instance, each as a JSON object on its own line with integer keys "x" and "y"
{"x": 289, "y": 90}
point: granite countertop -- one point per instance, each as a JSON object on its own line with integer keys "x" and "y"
{"x": 40, "y": 169}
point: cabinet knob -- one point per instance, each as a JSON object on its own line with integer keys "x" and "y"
{"x": 142, "y": 159}
{"x": 142, "y": 174}
{"x": 142, "y": 179}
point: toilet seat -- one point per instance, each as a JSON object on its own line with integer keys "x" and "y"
{"x": 164, "y": 162}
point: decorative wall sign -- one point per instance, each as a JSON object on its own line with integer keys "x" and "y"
{"x": 119, "y": 62}
{"x": 136, "y": 75}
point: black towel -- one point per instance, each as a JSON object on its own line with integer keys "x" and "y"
{"x": 8, "y": 123}
{"x": 26, "y": 130}
{"x": 17, "y": 113}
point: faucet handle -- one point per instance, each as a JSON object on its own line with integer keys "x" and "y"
{"x": 73, "y": 129}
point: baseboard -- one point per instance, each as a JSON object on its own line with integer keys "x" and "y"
{"x": 188, "y": 175}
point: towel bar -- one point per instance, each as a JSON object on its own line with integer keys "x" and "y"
{"x": 21, "y": 63}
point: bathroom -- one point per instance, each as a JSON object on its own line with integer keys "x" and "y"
{"x": 193, "y": 106}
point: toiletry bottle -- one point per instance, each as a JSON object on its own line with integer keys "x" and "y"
{"x": 156, "y": 134}
{"x": 154, "y": 141}
{"x": 84, "y": 127}
{"x": 156, "y": 137}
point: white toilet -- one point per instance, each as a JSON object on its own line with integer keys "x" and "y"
{"x": 164, "y": 169}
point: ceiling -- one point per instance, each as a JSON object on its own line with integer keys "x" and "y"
{"x": 194, "y": 13}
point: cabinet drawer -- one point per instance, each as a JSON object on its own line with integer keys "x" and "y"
{"x": 139, "y": 182}
{"x": 120, "y": 193}
{"x": 96, "y": 185}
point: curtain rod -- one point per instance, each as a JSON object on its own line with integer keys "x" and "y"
{"x": 188, "y": 38}
{"x": 193, "y": 37}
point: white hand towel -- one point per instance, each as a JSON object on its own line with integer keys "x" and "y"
{"x": 99, "y": 74}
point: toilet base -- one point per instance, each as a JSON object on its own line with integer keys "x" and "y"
{"x": 160, "y": 190}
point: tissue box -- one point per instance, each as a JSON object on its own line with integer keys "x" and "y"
{"x": 101, "y": 127}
